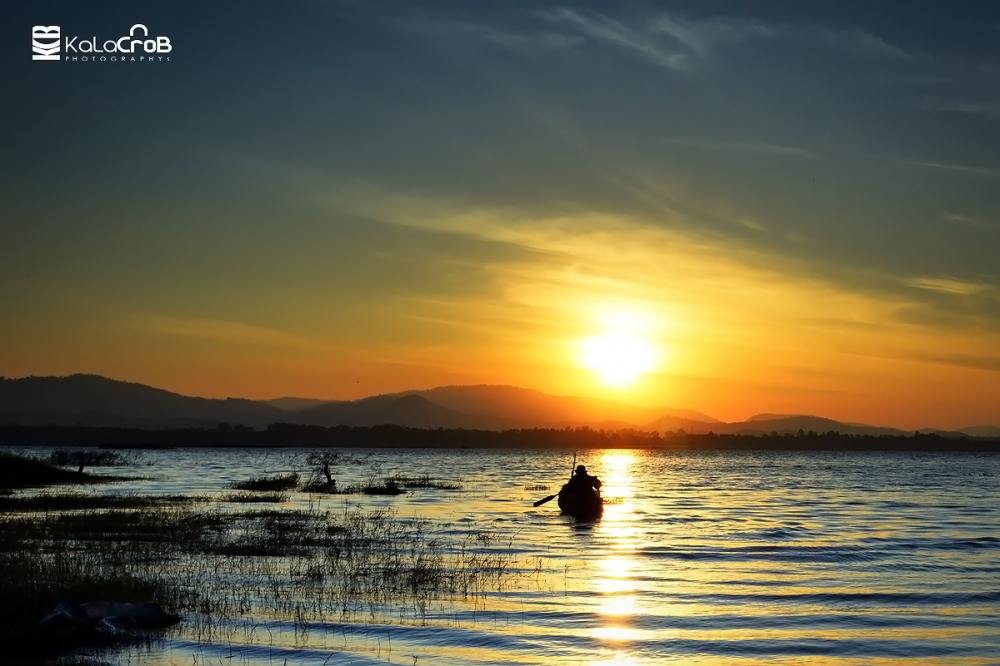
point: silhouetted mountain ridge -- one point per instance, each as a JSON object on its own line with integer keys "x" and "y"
{"x": 93, "y": 400}
{"x": 96, "y": 400}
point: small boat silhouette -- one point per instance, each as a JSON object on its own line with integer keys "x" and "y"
{"x": 581, "y": 504}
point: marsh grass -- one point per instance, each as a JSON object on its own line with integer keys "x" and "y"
{"x": 425, "y": 482}
{"x": 91, "y": 458}
{"x": 387, "y": 486}
{"x": 76, "y": 501}
{"x": 254, "y": 497}
{"x": 390, "y": 485}
{"x": 216, "y": 566}
{"x": 37, "y": 574}
{"x": 269, "y": 483}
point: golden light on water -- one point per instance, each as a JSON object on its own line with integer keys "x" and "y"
{"x": 615, "y": 573}
{"x": 617, "y": 659}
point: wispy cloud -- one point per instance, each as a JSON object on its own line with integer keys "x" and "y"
{"x": 498, "y": 35}
{"x": 977, "y": 362}
{"x": 217, "y": 330}
{"x": 662, "y": 39}
{"x": 949, "y": 285}
{"x": 745, "y": 147}
{"x": 637, "y": 39}
{"x": 673, "y": 42}
{"x": 986, "y": 109}
{"x": 984, "y": 172}
{"x": 969, "y": 221}
{"x": 960, "y": 360}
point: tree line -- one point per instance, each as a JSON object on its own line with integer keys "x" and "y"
{"x": 392, "y": 436}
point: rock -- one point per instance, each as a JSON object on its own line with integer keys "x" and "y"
{"x": 109, "y": 617}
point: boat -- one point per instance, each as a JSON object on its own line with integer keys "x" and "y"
{"x": 582, "y": 505}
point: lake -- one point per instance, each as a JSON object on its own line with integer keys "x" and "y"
{"x": 701, "y": 558}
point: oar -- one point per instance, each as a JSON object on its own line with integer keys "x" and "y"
{"x": 552, "y": 497}
{"x": 544, "y": 500}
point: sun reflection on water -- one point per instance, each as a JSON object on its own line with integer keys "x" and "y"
{"x": 614, "y": 581}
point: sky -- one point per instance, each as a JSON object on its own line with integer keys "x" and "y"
{"x": 794, "y": 206}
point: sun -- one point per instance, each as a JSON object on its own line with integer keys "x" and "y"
{"x": 621, "y": 353}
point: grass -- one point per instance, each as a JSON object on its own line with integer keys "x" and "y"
{"x": 390, "y": 485}
{"x": 386, "y": 486}
{"x": 65, "y": 458}
{"x": 425, "y": 482}
{"x": 74, "y": 501}
{"x": 38, "y": 574}
{"x": 24, "y": 472}
{"x": 265, "y": 563}
{"x": 254, "y": 497}
{"x": 216, "y": 566}
{"x": 269, "y": 483}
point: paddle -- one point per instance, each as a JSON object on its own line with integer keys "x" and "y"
{"x": 552, "y": 497}
{"x": 544, "y": 500}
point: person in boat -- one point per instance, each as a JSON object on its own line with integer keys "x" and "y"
{"x": 583, "y": 482}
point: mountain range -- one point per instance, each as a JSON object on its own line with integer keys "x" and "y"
{"x": 93, "y": 400}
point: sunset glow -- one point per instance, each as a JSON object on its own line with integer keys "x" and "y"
{"x": 505, "y": 225}
{"x": 622, "y": 351}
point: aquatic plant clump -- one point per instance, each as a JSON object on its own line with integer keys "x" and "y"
{"x": 425, "y": 482}
{"x": 80, "y": 459}
{"x": 257, "y": 497}
{"x": 269, "y": 483}
{"x": 371, "y": 487}
{"x": 390, "y": 485}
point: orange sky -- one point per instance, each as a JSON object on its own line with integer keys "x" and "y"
{"x": 734, "y": 335}
{"x": 794, "y": 211}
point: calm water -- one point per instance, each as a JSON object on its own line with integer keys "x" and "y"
{"x": 704, "y": 558}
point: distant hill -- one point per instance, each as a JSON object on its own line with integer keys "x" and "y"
{"x": 981, "y": 431}
{"x": 410, "y": 410}
{"x": 791, "y": 424}
{"x": 99, "y": 401}
{"x": 511, "y": 406}
{"x": 92, "y": 400}
{"x": 762, "y": 424}
{"x": 289, "y": 404}
{"x": 674, "y": 423}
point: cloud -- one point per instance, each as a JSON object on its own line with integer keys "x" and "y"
{"x": 746, "y": 147}
{"x": 661, "y": 39}
{"x": 637, "y": 40}
{"x": 984, "y": 172}
{"x": 949, "y": 285}
{"x": 675, "y": 43}
{"x": 974, "y": 361}
{"x": 864, "y": 42}
{"x": 968, "y": 221}
{"x": 986, "y": 109}
{"x": 483, "y": 32}
{"x": 228, "y": 332}
{"x": 956, "y": 359}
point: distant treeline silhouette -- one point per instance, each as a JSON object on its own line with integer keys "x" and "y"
{"x": 389, "y": 436}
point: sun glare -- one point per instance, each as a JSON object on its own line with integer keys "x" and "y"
{"x": 621, "y": 353}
